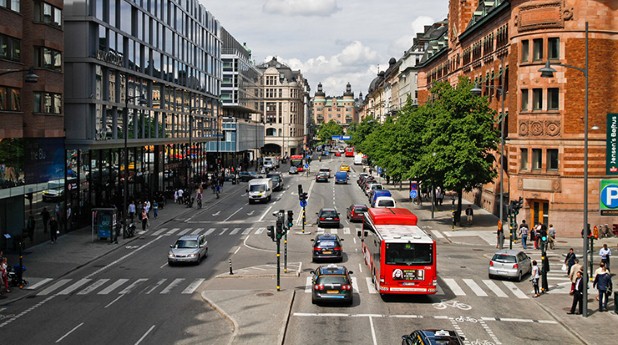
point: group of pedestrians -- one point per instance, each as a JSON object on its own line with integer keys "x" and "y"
{"x": 602, "y": 280}
{"x": 536, "y": 235}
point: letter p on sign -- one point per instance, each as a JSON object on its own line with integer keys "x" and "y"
{"x": 609, "y": 196}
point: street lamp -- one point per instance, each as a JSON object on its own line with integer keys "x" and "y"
{"x": 548, "y": 72}
{"x": 30, "y": 76}
{"x": 477, "y": 90}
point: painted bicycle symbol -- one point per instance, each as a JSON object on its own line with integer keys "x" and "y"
{"x": 6, "y": 316}
{"x": 443, "y": 304}
{"x": 466, "y": 319}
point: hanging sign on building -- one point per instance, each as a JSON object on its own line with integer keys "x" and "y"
{"x": 611, "y": 155}
{"x": 608, "y": 199}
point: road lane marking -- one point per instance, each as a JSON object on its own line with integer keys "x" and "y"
{"x": 197, "y": 231}
{"x": 159, "y": 232}
{"x": 259, "y": 231}
{"x": 121, "y": 258}
{"x": 247, "y": 231}
{"x": 475, "y": 287}
{"x": 112, "y": 287}
{"x": 515, "y": 290}
{"x": 114, "y": 301}
{"x": 133, "y": 285}
{"x": 69, "y": 332}
{"x": 370, "y": 286}
{"x": 355, "y": 284}
{"x": 55, "y": 286}
{"x": 210, "y": 231}
{"x": 235, "y": 231}
{"x": 171, "y": 231}
{"x": 156, "y": 286}
{"x": 184, "y": 231}
{"x": 224, "y": 230}
{"x": 265, "y": 213}
{"x": 232, "y": 215}
{"x": 494, "y": 288}
{"x": 172, "y": 285}
{"x": 74, "y": 287}
{"x": 346, "y": 231}
{"x": 437, "y": 234}
{"x": 193, "y": 286}
{"x": 145, "y": 334}
{"x": 454, "y": 287}
{"x": 308, "y": 283}
{"x": 41, "y": 283}
{"x": 373, "y": 331}
{"x": 93, "y": 287}
{"x": 360, "y": 267}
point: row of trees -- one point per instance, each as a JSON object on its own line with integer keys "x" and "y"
{"x": 447, "y": 142}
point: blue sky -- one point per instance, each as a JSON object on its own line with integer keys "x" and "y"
{"x": 331, "y": 41}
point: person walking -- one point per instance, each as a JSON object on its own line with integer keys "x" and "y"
{"x": 523, "y": 233}
{"x": 570, "y": 259}
{"x": 603, "y": 283}
{"x": 500, "y": 235}
{"x": 131, "y": 210}
{"x": 53, "y": 229}
{"x": 155, "y": 209}
{"x": 534, "y": 278}
{"x": 469, "y": 215}
{"x": 4, "y": 266}
{"x": 578, "y": 295}
{"x": 552, "y": 236}
{"x": 605, "y": 254}
{"x": 572, "y": 274}
{"x": 144, "y": 219}
{"x": 45, "y": 216}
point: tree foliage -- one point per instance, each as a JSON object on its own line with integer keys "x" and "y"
{"x": 327, "y": 130}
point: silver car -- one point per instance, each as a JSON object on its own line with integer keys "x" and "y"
{"x": 188, "y": 248}
{"x": 510, "y": 263}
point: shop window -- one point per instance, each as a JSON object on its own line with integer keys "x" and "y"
{"x": 524, "y": 159}
{"x": 537, "y": 159}
{"x": 552, "y": 159}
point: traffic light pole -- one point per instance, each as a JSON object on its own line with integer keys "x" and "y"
{"x": 544, "y": 265}
{"x": 285, "y": 253}
{"x": 278, "y": 263}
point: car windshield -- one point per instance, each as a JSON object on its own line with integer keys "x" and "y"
{"x": 257, "y": 188}
{"x": 409, "y": 253}
{"x": 326, "y": 244}
{"x": 504, "y": 258}
{"x": 360, "y": 209}
{"x": 328, "y": 214}
{"x": 332, "y": 280}
{"x": 186, "y": 244}
{"x": 275, "y": 178}
{"x": 386, "y": 203}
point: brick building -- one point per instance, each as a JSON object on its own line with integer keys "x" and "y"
{"x": 502, "y": 45}
{"x": 341, "y": 109}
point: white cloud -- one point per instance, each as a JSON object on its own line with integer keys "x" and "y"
{"x": 403, "y": 43}
{"x": 301, "y": 7}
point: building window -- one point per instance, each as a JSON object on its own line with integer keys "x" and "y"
{"x": 552, "y": 159}
{"x": 537, "y": 49}
{"x": 10, "y": 99}
{"x": 553, "y": 48}
{"x": 537, "y": 159}
{"x": 524, "y": 159}
{"x": 10, "y": 48}
{"x": 537, "y": 99}
{"x": 553, "y": 99}
{"x": 48, "y": 58}
{"x": 524, "y": 100}
{"x": 13, "y": 5}
{"x": 47, "y": 14}
{"x": 270, "y": 132}
{"x": 47, "y": 103}
{"x": 525, "y": 50}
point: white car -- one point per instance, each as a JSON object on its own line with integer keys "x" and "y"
{"x": 188, "y": 248}
{"x": 384, "y": 202}
{"x": 372, "y": 186}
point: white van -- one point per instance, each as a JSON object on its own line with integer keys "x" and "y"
{"x": 271, "y": 162}
{"x": 358, "y": 159}
{"x": 260, "y": 189}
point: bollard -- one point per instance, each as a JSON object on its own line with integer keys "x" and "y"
{"x": 231, "y": 273}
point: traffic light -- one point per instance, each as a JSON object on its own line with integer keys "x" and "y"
{"x": 300, "y": 192}
{"x": 290, "y": 219}
{"x": 304, "y": 196}
{"x": 279, "y": 226}
{"x": 270, "y": 231}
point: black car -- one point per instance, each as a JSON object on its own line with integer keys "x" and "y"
{"x": 321, "y": 177}
{"x": 246, "y": 176}
{"x": 332, "y": 283}
{"x": 327, "y": 247}
{"x": 277, "y": 180}
{"x": 432, "y": 337}
{"x": 328, "y": 217}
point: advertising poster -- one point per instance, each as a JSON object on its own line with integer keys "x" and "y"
{"x": 43, "y": 159}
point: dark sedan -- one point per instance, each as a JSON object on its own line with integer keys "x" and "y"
{"x": 356, "y": 212}
{"x": 328, "y": 217}
{"x": 246, "y": 176}
{"x": 327, "y": 247}
{"x": 332, "y": 283}
{"x": 321, "y": 177}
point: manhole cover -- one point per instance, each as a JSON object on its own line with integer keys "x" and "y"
{"x": 264, "y": 294}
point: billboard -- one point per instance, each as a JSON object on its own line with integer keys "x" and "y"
{"x": 611, "y": 145}
{"x": 43, "y": 159}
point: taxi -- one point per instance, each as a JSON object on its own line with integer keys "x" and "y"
{"x": 344, "y": 167}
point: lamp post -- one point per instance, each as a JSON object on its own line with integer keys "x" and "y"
{"x": 477, "y": 90}
{"x": 217, "y": 160}
{"x": 548, "y": 72}
{"x": 30, "y": 76}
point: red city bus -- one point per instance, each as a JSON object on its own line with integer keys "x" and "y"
{"x": 349, "y": 152}
{"x": 297, "y": 161}
{"x": 401, "y": 257}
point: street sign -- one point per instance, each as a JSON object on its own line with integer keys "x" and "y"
{"x": 346, "y": 137}
{"x": 306, "y": 166}
{"x": 303, "y": 203}
{"x": 335, "y": 137}
{"x": 379, "y": 170}
{"x": 413, "y": 194}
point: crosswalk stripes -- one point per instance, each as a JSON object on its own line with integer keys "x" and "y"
{"x": 488, "y": 288}
{"x": 159, "y": 232}
{"x": 235, "y": 231}
{"x": 210, "y": 231}
{"x": 346, "y": 231}
{"x": 197, "y": 231}
{"x": 171, "y": 232}
{"x": 259, "y": 231}
{"x": 121, "y": 286}
{"x": 437, "y": 234}
{"x": 247, "y": 231}
{"x": 223, "y": 231}
{"x": 183, "y": 232}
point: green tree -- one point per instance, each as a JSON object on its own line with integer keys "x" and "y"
{"x": 327, "y": 130}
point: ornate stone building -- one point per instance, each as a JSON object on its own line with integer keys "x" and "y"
{"x": 502, "y": 45}
{"x": 341, "y": 109}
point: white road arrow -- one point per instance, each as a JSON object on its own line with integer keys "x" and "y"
{"x": 216, "y": 214}
{"x": 250, "y": 213}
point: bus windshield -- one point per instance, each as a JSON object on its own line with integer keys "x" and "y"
{"x": 296, "y": 160}
{"x": 409, "y": 254}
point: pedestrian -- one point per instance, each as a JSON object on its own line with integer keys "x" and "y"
{"x": 176, "y": 196}
{"x": 578, "y": 295}
{"x": 155, "y": 209}
{"x": 605, "y": 254}
{"x": 4, "y": 273}
{"x": 144, "y": 219}
{"x": 534, "y": 278}
{"x": 552, "y": 236}
{"x": 534, "y": 235}
{"x": 30, "y": 225}
{"x": 131, "y": 210}
{"x": 53, "y": 229}
{"x": 180, "y": 193}
{"x": 45, "y": 216}
{"x": 603, "y": 283}
{"x": 500, "y": 235}
{"x": 601, "y": 269}
{"x": 469, "y": 215}
{"x": 570, "y": 259}
{"x": 572, "y": 274}
{"x": 147, "y": 206}
{"x": 523, "y": 233}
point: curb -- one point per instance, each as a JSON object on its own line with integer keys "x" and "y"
{"x": 283, "y": 332}
{"x": 559, "y": 321}
{"x": 215, "y": 307}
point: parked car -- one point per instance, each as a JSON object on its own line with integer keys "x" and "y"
{"x": 378, "y": 192}
{"x": 246, "y": 176}
{"x": 356, "y": 212}
{"x": 372, "y": 186}
{"x": 337, "y": 154}
{"x": 327, "y": 247}
{"x": 432, "y": 337}
{"x": 384, "y": 202}
{"x": 509, "y": 263}
{"x": 293, "y": 170}
{"x": 361, "y": 177}
{"x": 366, "y": 181}
{"x": 188, "y": 248}
{"x": 328, "y": 217}
{"x": 332, "y": 283}
{"x": 321, "y": 177}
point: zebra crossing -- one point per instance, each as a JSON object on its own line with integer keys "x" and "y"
{"x": 121, "y": 286}
{"x": 230, "y": 231}
{"x": 457, "y": 287}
